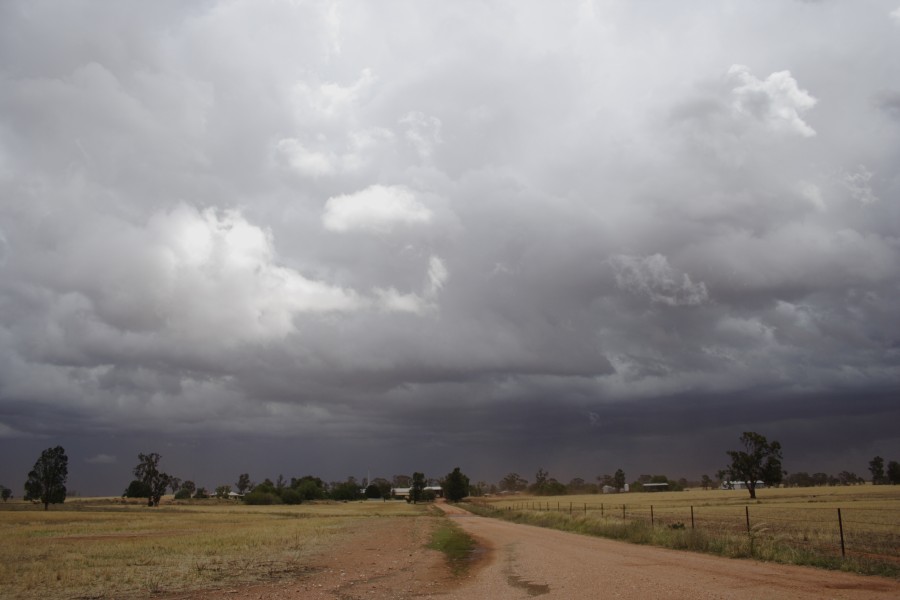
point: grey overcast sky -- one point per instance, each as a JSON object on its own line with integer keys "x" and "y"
{"x": 342, "y": 238}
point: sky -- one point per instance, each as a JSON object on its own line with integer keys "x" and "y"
{"x": 356, "y": 238}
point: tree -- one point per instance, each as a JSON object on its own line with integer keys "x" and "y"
{"x": 759, "y": 461}
{"x": 849, "y": 478}
{"x": 309, "y": 487}
{"x": 137, "y": 489}
{"x": 147, "y": 471}
{"x": 222, "y": 491}
{"x": 513, "y": 483}
{"x": 800, "y": 479}
{"x": 893, "y": 472}
{"x": 347, "y": 490}
{"x": 174, "y": 484}
{"x": 706, "y": 482}
{"x": 579, "y": 486}
{"x": 190, "y": 487}
{"x": 876, "y": 468}
{"x": 540, "y": 481}
{"x": 619, "y": 480}
{"x": 417, "y": 489}
{"x": 47, "y": 480}
{"x": 383, "y": 485}
{"x": 456, "y": 486}
{"x": 243, "y": 483}
{"x": 401, "y": 481}
{"x": 5, "y": 493}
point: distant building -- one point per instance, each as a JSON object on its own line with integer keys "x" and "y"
{"x": 404, "y": 492}
{"x": 655, "y": 487}
{"x": 608, "y": 489}
{"x": 740, "y": 485}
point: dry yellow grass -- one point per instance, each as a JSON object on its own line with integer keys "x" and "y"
{"x": 104, "y": 549}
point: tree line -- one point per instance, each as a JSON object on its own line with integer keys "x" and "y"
{"x": 759, "y": 462}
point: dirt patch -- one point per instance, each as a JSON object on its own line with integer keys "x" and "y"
{"x": 379, "y": 558}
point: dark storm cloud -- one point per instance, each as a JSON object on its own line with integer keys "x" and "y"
{"x": 615, "y": 235}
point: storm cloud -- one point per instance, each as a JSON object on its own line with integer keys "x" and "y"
{"x": 340, "y": 237}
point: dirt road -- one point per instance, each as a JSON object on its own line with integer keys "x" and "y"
{"x": 386, "y": 558}
{"x": 525, "y": 561}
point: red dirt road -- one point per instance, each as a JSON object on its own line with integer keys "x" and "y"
{"x": 386, "y": 558}
{"x": 525, "y": 561}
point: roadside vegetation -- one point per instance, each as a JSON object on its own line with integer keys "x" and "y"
{"x": 456, "y": 545}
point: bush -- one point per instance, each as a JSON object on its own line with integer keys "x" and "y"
{"x": 261, "y": 498}
{"x": 291, "y": 496}
{"x": 183, "y": 494}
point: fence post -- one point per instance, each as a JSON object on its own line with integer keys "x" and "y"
{"x": 747, "y": 513}
{"x": 692, "y": 517}
{"x": 651, "y": 515}
{"x": 570, "y": 508}
{"x": 623, "y": 512}
{"x": 585, "y": 509}
{"x": 841, "y": 527}
{"x": 601, "y": 510}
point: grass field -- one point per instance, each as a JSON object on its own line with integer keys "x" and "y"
{"x": 102, "y": 548}
{"x": 797, "y": 525}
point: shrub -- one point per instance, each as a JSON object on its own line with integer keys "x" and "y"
{"x": 183, "y": 494}
{"x": 257, "y": 497}
{"x": 291, "y": 496}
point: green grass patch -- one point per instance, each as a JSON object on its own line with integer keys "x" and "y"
{"x": 456, "y": 545}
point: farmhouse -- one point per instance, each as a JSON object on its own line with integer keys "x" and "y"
{"x": 655, "y": 487}
{"x": 403, "y": 493}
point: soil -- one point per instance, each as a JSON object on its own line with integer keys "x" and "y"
{"x": 387, "y": 559}
{"x": 382, "y": 558}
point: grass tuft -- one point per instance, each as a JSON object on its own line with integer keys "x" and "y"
{"x": 456, "y": 545}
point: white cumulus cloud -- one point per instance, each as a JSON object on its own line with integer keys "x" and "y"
{"x": 777, "y": 101}
{"x": 377, "y": 208}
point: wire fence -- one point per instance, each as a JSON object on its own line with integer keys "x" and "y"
{"x": 862, "y": 532}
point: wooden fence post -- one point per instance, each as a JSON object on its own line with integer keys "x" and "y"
{"x": 651, "y": 515}
{"x": 841, "y": 527}
{"x": 747, "y": 513}
{"x": 692, "y": 517}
